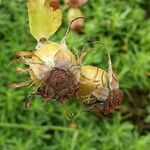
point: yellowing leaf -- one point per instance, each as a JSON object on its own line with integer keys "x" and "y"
{"x": 45, "y": 17}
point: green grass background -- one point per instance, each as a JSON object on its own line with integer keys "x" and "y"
{"x": 124, "y": 28}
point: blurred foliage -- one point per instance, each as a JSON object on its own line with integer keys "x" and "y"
{"x": 123, "y": 26}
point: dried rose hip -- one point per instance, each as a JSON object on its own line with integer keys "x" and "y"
{"x": 53, "y": 69}
{"x": 100, "y": 89}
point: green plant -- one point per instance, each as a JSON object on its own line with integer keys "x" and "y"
{"x": 123, "y": 26}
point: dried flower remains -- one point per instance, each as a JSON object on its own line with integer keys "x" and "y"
{"x": 52, "y": 66}
{"x": 100, "y": 89}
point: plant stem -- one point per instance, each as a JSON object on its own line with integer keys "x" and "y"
{"x": 29, "y": 127}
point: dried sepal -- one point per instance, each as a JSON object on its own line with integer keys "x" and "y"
{"x": 113, "y": 81}
{"x": 18, "y": 85}
{"x": 64, "y": 57}
{"x": 45, "y": 17}
{"x": 91, "y": 78}
{"x": 21, "y": 70}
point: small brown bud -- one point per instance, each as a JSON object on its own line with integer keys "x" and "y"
{"x": 76, "y": 25}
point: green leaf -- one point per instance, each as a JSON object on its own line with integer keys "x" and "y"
{"x": 45, "y": 17}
